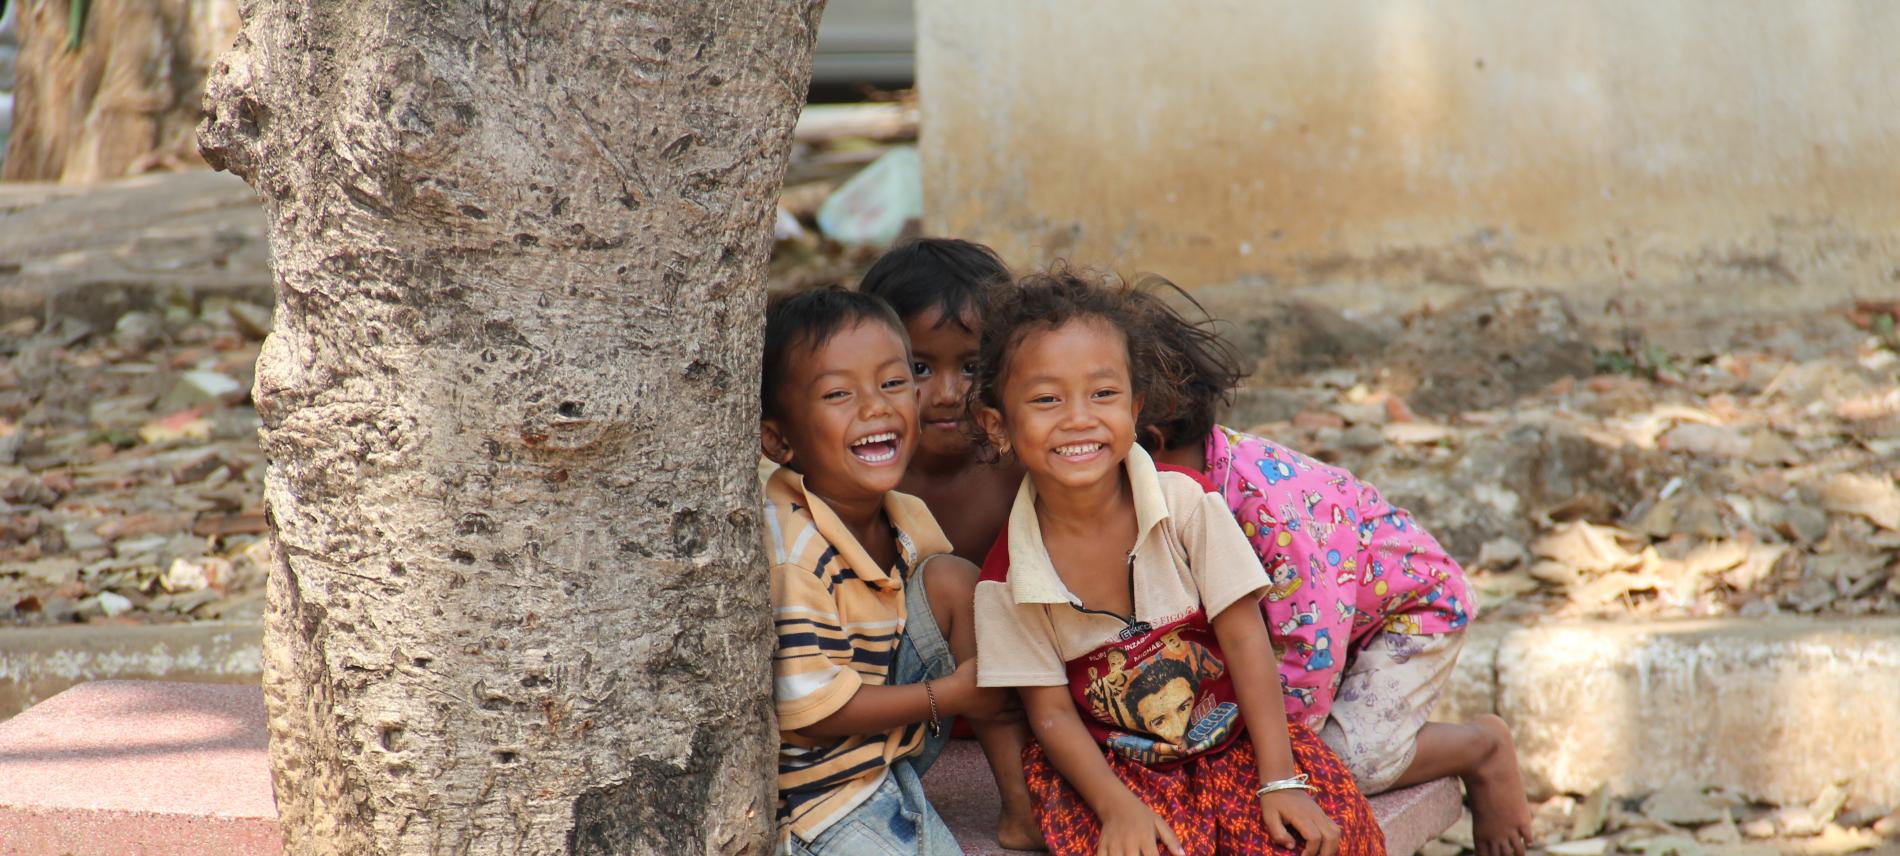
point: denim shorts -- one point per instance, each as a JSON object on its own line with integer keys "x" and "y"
{"x": 895, "y": 819}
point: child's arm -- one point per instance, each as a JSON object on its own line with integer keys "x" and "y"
{"x": 1255, "y": 673}
{"x": 1128, "y": 825}
{"x": 1231, "y": 583}
{"x": 821, "y": 698}
{"x": 874, "y": 709}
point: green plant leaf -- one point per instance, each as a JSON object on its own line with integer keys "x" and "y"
{"x": 1613, "y": 362}
{"x": 75, "y": 22}
{"x": 1659, "y": 361}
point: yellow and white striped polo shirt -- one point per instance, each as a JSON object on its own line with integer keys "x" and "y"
{"x": 839, "y": 618}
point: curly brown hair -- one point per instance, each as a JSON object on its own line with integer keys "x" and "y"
{"x": 1208, "y": 368}
{"x": 1047, "y": 300}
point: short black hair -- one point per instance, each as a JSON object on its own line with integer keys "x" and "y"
{"x": 808, "y": 319}
{"x": 949, "y": 275}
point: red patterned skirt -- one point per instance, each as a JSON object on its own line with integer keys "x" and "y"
{"x": 1208, "y": 801}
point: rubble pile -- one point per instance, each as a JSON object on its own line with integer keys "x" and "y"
{"x": 130, "y": 473}
{"x": 1690, "y": 821}
{"x": 1753, "y": 479}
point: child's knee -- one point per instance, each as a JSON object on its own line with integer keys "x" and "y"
{"x": 1491, "y": 735}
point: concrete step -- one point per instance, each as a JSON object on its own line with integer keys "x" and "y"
{"x": 1777, "y": 709}
{"x": 37, "y": 663}
{"x": 165, "y": 768}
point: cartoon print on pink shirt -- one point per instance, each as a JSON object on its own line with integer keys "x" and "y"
{"x": 1342, "y": 562}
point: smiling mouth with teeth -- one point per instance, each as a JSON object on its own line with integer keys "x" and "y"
{"x": 877, "y": 448}
{"x": 1076, "y": 450}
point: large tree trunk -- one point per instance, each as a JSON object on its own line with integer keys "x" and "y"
{"x": 517, "y": 604}
{"x": 125, "y": 101}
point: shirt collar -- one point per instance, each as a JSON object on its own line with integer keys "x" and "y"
{"x": 840, "y": 537}
{"x": 1032, "y": 577}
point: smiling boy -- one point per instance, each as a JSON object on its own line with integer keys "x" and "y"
{"x": 874, "y": 655}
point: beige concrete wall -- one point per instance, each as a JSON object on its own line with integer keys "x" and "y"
{"x": 1621, "y": 143}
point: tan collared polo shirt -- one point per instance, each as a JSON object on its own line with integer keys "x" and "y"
{"x": 1188, "y": 553}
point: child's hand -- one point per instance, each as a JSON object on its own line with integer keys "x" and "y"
{"x": 1293, "y": 809}
{"x": 1133, "y": 829}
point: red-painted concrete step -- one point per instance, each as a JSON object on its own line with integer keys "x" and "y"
{"x": 159, "y": 769}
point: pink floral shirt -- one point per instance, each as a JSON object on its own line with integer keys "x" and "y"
{"x": 1344, "y": 563}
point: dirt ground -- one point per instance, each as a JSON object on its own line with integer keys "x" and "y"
{"x": 1585, "y": 460}
{"x": 1585, "y": 453}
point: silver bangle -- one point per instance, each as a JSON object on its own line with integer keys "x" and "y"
{"x": 1297, "y": 783}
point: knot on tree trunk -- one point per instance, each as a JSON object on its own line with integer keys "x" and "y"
{"x": 234, "y": 121}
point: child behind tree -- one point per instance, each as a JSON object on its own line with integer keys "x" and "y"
{"x": 938, "y": 287}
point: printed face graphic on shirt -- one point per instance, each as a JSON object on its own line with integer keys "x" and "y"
{"x": 1166, "y": 713}
{"x": 1157, "y": 696}
{"x": 1160, "y": 697}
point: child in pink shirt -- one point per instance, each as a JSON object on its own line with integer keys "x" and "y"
{"x": 1365, "y": 606}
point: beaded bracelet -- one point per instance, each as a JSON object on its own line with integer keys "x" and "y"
{"x": 1297, "y": 783}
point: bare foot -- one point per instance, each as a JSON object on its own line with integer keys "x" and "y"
{"x": 1017, "y": 830}
{"x": 1500, "y": 818}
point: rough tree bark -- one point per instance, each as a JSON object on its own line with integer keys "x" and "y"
{"x": 517, "y": 604}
